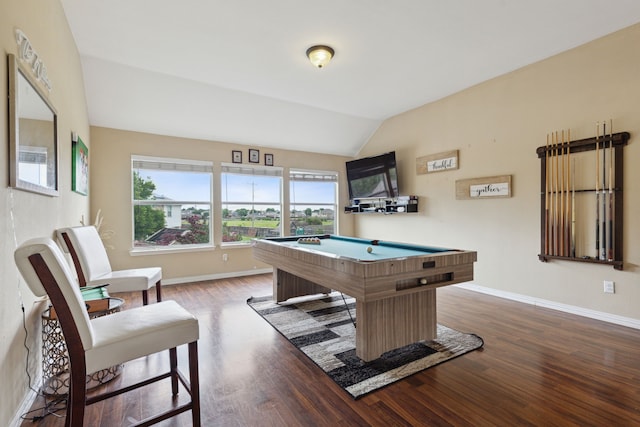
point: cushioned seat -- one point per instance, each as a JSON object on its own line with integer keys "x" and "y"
{"x": 93, "y": 267}
{"x": 130, "y": 334}
{"x": 96, "y": 344}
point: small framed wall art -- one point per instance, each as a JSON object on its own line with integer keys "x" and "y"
{"x": 79, "y": 167}
{"x": 254, "y": 155}
{"x": 236, "y": 156}
{"x": 268, "y": 159}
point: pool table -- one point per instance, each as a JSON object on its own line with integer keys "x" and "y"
{"x": 394, "y": 284}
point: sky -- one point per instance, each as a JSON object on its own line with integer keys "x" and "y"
{"x": 193, "y": 187}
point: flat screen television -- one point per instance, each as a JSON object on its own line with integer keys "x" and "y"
{"x": 373, "y": 177}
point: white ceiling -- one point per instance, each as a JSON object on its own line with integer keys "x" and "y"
{"x": 236, "y": 71}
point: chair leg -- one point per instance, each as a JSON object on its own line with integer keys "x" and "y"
{"x": 158, "y": 291}
{"x": 145, "y": 297}
{"x": 194, "y": 379}
{"x": 76, "y": 399}
{"x": 173, "y": 365}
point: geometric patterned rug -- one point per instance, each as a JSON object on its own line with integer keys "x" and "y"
{"x": 322, "y": 327}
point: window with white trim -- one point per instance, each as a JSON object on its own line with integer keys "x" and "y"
{"x": 172, "y": 203}
{"x": 251, "y": 199}
{"x": 313, "y": 201}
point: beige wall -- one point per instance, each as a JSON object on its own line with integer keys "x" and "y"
{"x": 25, "y": 215}
{"x": 497, "y": 127}
{"x": 110, "y": 171}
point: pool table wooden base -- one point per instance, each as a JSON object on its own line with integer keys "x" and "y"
{"x": 383, "y": 324}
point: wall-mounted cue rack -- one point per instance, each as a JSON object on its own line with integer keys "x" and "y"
{"x": 580, "y": 221}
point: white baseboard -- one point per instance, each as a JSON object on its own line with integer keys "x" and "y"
{"x": 216, "y": 276}
{"x": 579, "y": 311}
{"x": 27, "y": 403}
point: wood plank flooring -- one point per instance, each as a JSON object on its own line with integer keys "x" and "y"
{"x": 538, "y": 367}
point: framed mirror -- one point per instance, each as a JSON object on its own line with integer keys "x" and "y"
{"x": 33, "y": 134}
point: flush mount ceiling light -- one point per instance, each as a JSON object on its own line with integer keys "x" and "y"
{"x": 320, "y": 55}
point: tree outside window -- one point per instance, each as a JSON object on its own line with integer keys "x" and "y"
{"x": 172, "y": 203}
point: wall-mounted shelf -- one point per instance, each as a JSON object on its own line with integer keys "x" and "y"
{"x": 402, "y": 204}
{"x": 560, "y": 222}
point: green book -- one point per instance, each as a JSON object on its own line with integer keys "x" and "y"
{"x": 90, "y": 293}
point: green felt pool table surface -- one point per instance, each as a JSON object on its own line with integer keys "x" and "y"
{"x": 356, "y": 248}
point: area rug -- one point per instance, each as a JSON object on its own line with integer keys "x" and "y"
{"x": 322, "y": 327}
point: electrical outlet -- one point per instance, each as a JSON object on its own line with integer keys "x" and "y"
{"x": 225, "y": 257}
{"x": 609, "y": 287}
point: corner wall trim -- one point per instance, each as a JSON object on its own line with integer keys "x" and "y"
{"x": 566, "y": 308}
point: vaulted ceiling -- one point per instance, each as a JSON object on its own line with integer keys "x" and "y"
{"x": 236, "y": 71}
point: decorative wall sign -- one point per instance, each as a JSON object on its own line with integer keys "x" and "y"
{"x": 28, "y": 54}
{"x": 80, "y": 167}
{"x": 447, "y": 160}
{"x": 483, "y": 188}
{"x": 268, "y": 159}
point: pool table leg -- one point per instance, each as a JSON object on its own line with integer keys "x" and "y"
{"x": 390, "y": 323}
{"x": 287, "y": 285}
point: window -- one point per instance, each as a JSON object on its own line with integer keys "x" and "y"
{"x": 32, "y": 164}
{"x": 251, "y": 202}
{"x": 172, "y": 203}
{"x": 313, "y": 202}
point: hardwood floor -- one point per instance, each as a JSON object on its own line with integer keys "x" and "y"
{"x": 537, "y": 367}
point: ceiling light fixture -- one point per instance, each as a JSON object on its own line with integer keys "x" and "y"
{"x": 320, "y": 55}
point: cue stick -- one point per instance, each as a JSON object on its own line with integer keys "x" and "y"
{"x": 597, "y": 191}
{"x": 604, "y": 241}
{"x": 611, "y": 194}
{"x": 546, "y": 198}
{"x": 552, "y": 214}
{"x": 567, "y": 225}
{"x": 552, "y": 196}
{"x": 560, "y": 187}
{"x": 561, "y": 173}
{"x": 555, "y": 192}
{"x": 561, "y": 190}
{"x": 573, "y": 209}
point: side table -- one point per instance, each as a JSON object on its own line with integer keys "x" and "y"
{"x": 55, "y": 359}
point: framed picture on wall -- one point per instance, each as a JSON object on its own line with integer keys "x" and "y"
{"x": 268, "y": 159}
{"x": 236, "y": 156}
{"x": 254, "y": 156}
{"x": 79, "y": 167}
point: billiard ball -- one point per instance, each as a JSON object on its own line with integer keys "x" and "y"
{"x": 369, "y": 249}
{"x": 423, "y": 281}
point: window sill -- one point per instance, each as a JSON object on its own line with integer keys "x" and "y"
{"x": 239, "y": 245}
{"x": 170, "y": 250}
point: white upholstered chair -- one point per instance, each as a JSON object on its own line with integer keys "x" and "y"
{"x": 102, "y": 342}
{"x": 93, "y": 267}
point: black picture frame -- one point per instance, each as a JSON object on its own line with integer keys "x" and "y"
{"x": 254, "y": 155}
{"x": 268, "y": 159}
{"x": 236, "y": 156}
